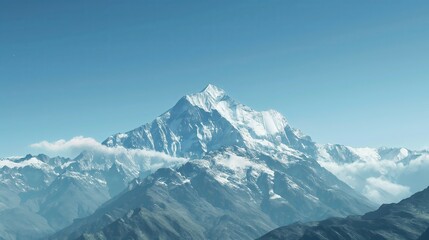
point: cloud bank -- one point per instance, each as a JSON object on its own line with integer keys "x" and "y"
{"x": 73, "y": 147}
{"x": 69, "y": 148}
{"x": 383, "y": 180}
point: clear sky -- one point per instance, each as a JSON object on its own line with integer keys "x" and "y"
{"x": 350, "y": 72}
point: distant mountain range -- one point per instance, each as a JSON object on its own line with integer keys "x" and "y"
{"x": 209, "y": 167}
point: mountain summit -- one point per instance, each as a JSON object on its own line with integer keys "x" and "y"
{"x": 210, "y": 120}
{"x": 212, "y": 91}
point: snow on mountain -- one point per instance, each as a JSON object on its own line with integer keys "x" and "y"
{"x": 32, "y": 162}
{"x": 260, "y": 124}
{"x": 29, "y": 173}
{"x": 209, "y": 120}
{"x": 381, "y": 174}
{"x": 20, "y": 178}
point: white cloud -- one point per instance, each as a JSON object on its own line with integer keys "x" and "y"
{"x": 76, "y": 145}
{"x": 379, "y": 190}
{"x": 68, "y": 148}
{"x": 382, "y": 180}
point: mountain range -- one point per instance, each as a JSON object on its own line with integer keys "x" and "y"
{"x": 40, "y": 195}
{"x": 209, "y": 167}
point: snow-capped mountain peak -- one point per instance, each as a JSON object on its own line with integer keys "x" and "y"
{"x": 208, "y": 98}
{"x": 241, "y": 116}
{"x": 213, "y": 91}
{"x": 210, "y": 120}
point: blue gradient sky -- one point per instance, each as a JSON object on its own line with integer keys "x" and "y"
{"x": 350, "y": 72}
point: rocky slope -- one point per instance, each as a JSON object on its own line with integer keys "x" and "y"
{"x": 406, "y": 220}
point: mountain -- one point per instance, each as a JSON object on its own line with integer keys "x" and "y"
{"x": 383, "y": 175}
{"x": 406, "y": 220}
{"x": 209, "y": 120}
{"x": 19, "y": 179}
{"x": 247, "y": 172}
{"x": 40, "y": 195}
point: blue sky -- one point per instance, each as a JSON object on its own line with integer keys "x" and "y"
{"x": 350, "y": 72}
